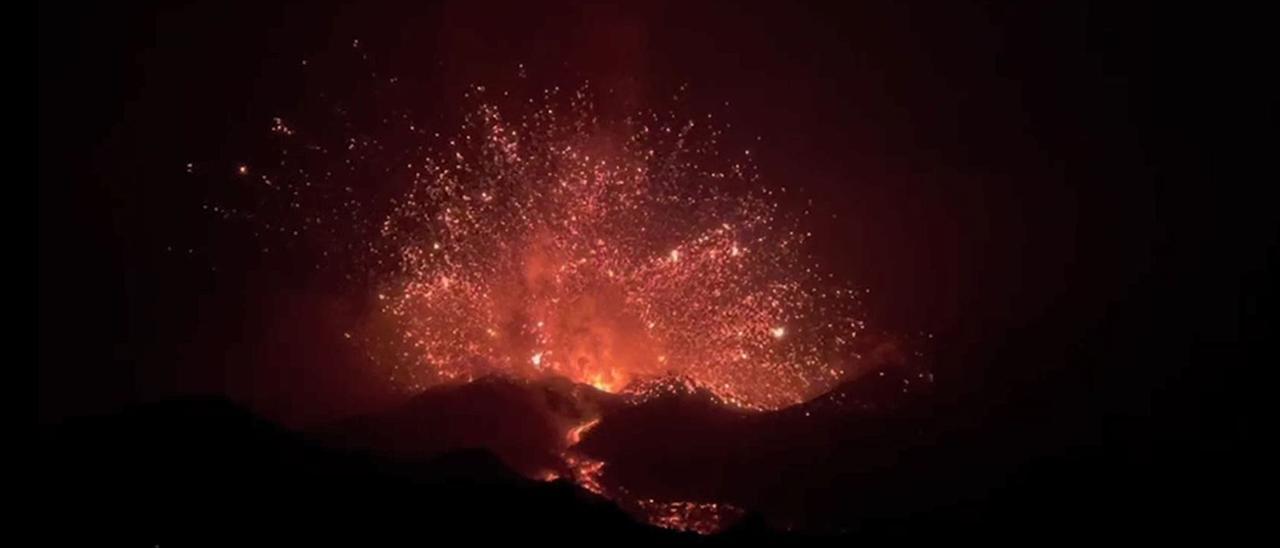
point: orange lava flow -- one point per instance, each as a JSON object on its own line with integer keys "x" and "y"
{"x": 575, "y": 434}
{"x": 699, "y": 517}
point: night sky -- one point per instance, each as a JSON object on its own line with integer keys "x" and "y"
{"x": 1035, "y": 195}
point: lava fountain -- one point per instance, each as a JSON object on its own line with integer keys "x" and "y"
{"x": 551, "y": 243}
{"x": 539, "y": 240}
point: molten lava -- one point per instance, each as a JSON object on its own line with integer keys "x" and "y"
{"x": 575, "y": 433}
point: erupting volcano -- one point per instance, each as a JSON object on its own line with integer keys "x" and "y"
{"x": 540, "y": 240}
{"x": 660, "y": 273}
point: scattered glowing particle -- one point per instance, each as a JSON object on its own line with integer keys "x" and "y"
{"x": 570, "y": 261}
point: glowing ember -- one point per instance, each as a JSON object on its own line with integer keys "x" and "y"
{"x": 700, "y": 517}
{"x": 556, "y": 244}
{"x": 587, "y": 472}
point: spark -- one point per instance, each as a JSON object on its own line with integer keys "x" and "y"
{"x": 541, "y": 242}
{"x": 535, "y": 221}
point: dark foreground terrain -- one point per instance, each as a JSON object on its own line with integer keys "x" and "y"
{"x": 863, "y": 462}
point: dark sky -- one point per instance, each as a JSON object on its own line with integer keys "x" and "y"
{"x": 1023, "y": 182}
